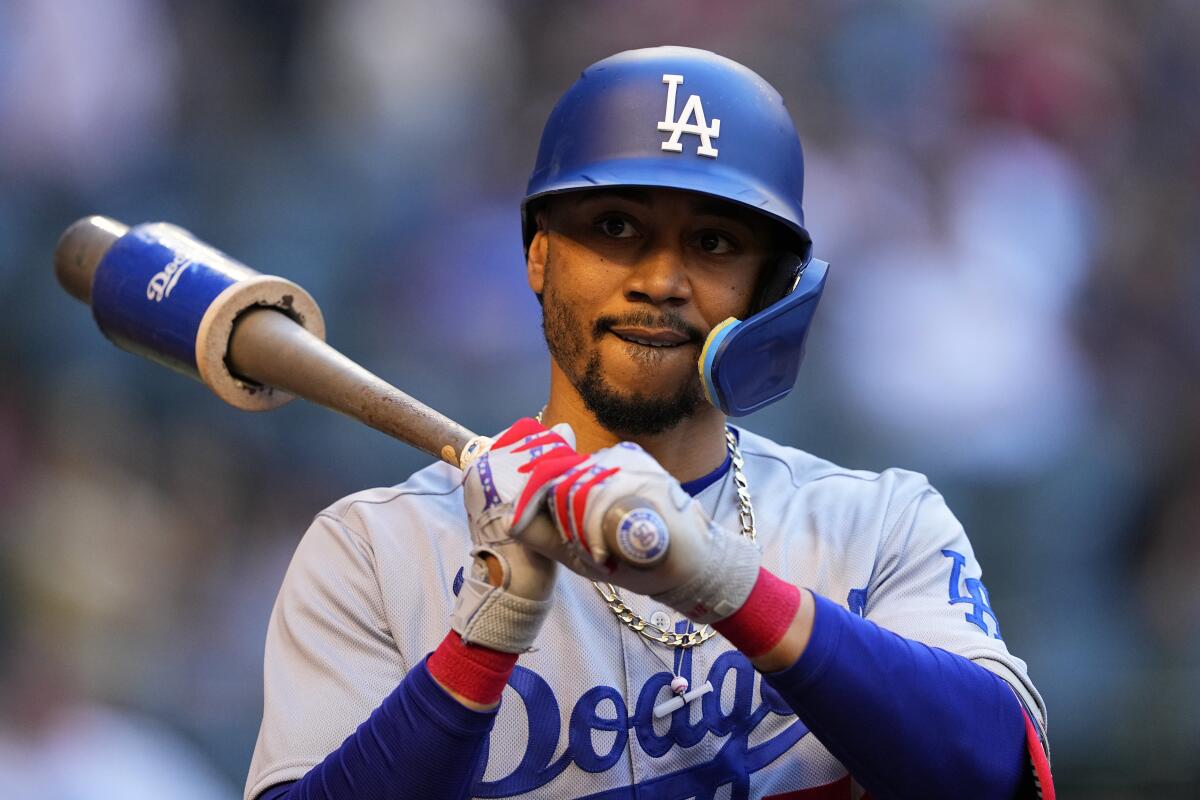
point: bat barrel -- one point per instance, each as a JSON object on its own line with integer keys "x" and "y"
{"x": 157, "y": 291}
{"x": 255, "y": 340}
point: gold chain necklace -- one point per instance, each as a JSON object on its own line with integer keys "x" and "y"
{"x": 612, "y": 596}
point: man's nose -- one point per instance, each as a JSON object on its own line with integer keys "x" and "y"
{"x": 659, "y": 277}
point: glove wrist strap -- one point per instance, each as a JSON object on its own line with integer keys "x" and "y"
{"x": 492, "y": 617}
{"x": 721, "y": 588}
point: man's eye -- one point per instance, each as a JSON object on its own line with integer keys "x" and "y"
{"x": 714, "y": 243}
{"x": 616, "y": 228}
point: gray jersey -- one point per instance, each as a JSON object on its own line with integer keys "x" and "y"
{"x": 371, "y": 587}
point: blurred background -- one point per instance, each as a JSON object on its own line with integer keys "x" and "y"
{"x": 1008, "y": 192}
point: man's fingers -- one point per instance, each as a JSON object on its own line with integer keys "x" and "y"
{"x": 545, "y": 470}
{"x": 541, "y": 535}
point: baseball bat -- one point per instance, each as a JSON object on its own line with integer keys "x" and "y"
{"x": 258, "y": 340}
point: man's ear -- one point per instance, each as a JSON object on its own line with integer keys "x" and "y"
{"x": 535, "y": 259}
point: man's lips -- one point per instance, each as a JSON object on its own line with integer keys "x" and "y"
{"x": 651, "y": 337}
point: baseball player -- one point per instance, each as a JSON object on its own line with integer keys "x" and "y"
{"x": 777, "y": 627}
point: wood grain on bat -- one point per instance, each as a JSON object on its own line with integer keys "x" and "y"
{"x": 270, "y": 348}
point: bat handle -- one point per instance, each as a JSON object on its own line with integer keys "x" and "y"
{"x": 272, "y": 349}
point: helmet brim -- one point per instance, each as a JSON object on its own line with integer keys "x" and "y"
{"x": 709, "y": 179}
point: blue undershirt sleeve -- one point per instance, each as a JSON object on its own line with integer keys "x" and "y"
{"x": 906, "y": 719}
{"x": 277, "y": 792}
{"x": 420, "y": 743}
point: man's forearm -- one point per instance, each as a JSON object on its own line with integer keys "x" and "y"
{"x": 421, "y": 742}
{"x": 906, "y": 719}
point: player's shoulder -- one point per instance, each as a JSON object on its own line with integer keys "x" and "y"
{"x": 403, "y": 540}
{"x": 857, "y": 511}
{"x": 431, "y": 497}
{"x": 837, "y": 494}
{"x": 801, "y": 468}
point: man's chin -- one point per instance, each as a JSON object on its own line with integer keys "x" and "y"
{"x": 649, "y": 387}
{"x": 643, "y": 403}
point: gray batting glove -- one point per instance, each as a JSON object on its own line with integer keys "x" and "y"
{"x": 707, "y": 573}
{"x": 503, "y": 491}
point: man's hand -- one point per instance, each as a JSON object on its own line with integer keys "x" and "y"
{"x": 506, "y": 592}
{"x": 707, "y": 574}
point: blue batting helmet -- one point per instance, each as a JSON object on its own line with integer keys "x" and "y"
{"x": 680, "y": 118}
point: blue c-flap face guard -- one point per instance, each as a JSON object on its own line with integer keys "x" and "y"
{"x": 748, "y": 364}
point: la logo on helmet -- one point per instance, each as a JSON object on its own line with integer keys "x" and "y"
{"x": 692, "y": 109}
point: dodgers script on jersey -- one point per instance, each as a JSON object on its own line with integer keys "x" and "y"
{"x": 372, "y": 583}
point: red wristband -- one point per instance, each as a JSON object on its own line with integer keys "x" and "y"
{"x": 764, "y": 618}
{"x": 470, "y": 670}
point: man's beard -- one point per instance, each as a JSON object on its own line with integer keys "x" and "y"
{"x": 633, "y": 414}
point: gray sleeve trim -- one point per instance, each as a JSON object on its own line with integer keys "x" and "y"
{"x": 1025, "y": 692}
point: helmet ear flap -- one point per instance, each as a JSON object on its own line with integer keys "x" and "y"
{"x": 778, "y": 279}
{"x": 751, "y": 363}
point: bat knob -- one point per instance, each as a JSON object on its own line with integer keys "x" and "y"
{"x": 636, "y": 532}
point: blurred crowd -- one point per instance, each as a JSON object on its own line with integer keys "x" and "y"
{"x": 1007, "y": 192}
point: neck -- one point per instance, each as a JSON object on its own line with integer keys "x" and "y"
{"x": 690, "y": 450}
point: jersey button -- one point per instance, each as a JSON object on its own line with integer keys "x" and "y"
{"x": 661, "y": 620}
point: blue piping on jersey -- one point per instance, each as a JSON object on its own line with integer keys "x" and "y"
{"x": 695, "y": 487}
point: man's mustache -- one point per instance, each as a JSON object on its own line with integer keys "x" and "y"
{"x": 644, "y": 319}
